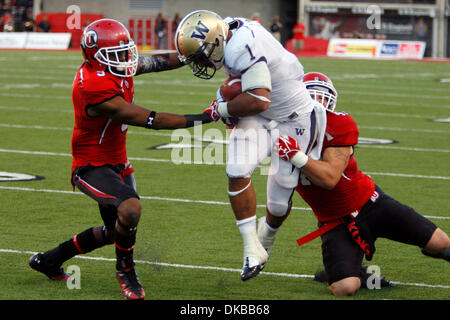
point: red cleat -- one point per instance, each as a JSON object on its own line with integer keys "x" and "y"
{"x": 130, "y": 285}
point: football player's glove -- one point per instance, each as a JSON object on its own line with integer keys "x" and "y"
{"x": 212, "y": 111}
{"x": 286, "y": 147}
{"x": 289, "y": 150}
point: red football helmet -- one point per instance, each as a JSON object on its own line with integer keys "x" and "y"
{"x": 107, "y": 46}
{"x": 321, "y": 89}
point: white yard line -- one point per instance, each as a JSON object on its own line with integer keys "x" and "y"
{"x": 194, "y": 267}
{"x": 44, "y": 153}
{"x": 38, "y": 127}
{"x": 208, "y": 202}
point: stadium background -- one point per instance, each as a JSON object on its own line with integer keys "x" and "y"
{"x": 424, "y": 20}
{"x": 188, "y": 245}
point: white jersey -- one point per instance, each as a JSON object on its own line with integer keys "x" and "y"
{"x": 252, "y": 43}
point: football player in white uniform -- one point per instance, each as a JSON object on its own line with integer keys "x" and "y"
{"x": 273, "y": 102}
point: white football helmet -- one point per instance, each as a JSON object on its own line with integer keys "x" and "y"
{"x": 321, "y": 89}
{"x": 200, "y": 40}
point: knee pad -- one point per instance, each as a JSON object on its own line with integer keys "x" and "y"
{"x": 278, "y": 209}
{"x": 236, "y": 172}
{"x": 239, "y": 170}
{"x": 285, "y": 174}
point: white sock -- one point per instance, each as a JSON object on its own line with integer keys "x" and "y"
{"x": 266, "y": 234}
{"x": 247, "y": 227}
{"x": 272, "y": 230}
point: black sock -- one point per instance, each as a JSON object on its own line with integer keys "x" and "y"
{"x": 83, "y": 242}
{"x": 124, "y": 250}
{"x": 444, "y": 254}
{"x": 60, "y": 254}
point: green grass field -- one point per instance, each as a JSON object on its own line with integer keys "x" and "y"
{"x": 188, "y": 245}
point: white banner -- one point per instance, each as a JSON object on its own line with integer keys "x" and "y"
{"x": 39, "y": 40}
{"x": 362, "y": 48}
{"x": 13, "y": 40}
{"x": 34, "y": 40}
{"x": 401, "y": 49}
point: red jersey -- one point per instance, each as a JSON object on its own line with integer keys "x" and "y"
{"x": 98, "y": 140}
{"x": 354, "y": 188}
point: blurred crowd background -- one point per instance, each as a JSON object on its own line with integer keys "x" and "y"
{"x": 303, "y": 26}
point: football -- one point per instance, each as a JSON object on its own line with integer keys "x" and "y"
{"x": 231, "y": 88}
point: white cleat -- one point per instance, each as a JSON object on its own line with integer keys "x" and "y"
{"x": 255, "y": 260}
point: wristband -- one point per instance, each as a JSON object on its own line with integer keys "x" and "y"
{"x": 222, "y": 110}
{"x": 299, "y": 159}
{"x": 150, "y": 120}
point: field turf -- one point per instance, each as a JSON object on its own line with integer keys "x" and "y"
{"x": 188, "y": 245}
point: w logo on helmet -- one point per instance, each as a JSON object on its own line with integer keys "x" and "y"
{"x": 90, "y": 39}
{"x": 200, "y": 31}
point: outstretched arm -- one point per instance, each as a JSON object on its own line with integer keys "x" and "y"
{"x": 129, "y": 113}
{"x": 159, "y": 62}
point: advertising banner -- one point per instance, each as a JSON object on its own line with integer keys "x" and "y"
{"x": 12, "y": 40}
{"x": 55, "y": 41}
{"x": 354, "y": 48}
{"x": 389, "y": 49}
{"x": 34, "y": 40}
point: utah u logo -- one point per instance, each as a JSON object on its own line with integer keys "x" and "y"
{"x": 90, "y": 39}
{"x": 299, "y": 131}
{"x": 200, "y": 31}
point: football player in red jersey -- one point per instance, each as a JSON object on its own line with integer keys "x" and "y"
{"x": 352, "y": 210}
{"x": 103, "y": 99}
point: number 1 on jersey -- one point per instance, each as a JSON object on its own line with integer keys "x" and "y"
{"x": 252, "y": 57}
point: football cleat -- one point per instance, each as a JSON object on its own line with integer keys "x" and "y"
{"x": 254, "y": 263}
{"x": 38, "y": 263}
{"x": 130, "y": 285}
{"x": 320, "y": 276}
{"x": 364, "y": 276}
